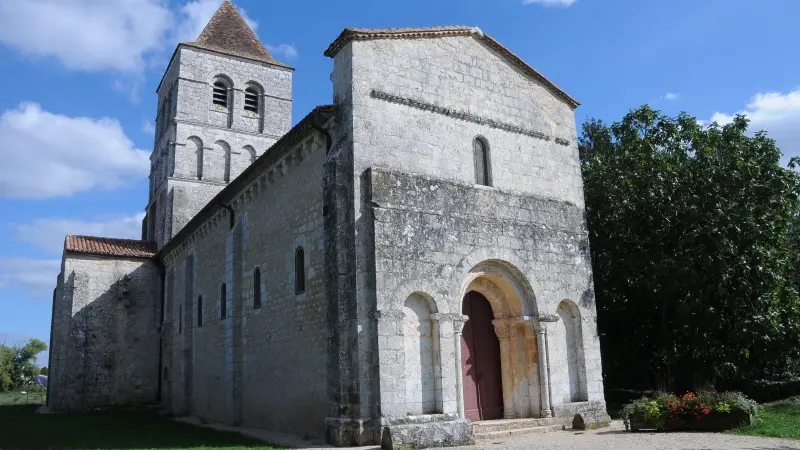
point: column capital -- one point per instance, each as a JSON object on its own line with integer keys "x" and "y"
{"x": 502, "y": 328}
{"x": 548, "y": 318}
{"x": 458, "y": 321}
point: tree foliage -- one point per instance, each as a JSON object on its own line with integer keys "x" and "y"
{"x": 17, "y": 364}
{"x": 695, "y": 241}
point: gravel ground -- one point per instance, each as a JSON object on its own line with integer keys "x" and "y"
{"x": 616, "y": 438}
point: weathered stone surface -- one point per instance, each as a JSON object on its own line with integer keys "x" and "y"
{"x": 427, "y": 432}
{"x": 104, "y": 346}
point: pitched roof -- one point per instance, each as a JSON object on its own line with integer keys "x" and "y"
{"x": 95, "y": 245}
{"x": 227, "y": 32}
{"x": 365, "y": 34}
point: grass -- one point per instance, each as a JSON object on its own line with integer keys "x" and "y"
{"x": 18, "y": 398}
{"x": 23, "y": 429}
{"x": 780, "y": 419}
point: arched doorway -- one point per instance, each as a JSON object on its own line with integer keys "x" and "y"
{"x": 480, "y": 361}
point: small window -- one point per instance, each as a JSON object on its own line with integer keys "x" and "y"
{"x": 257, "y": 288}
{"x": 220, "y": 95}
{"x": 483, "y": 169}
{"x": 251, "y": 97}
{"x": 299, "y": 271}
{"x": 223, "y": 302}
{"x": 180, "y": 319}
{"x": 199, "y": 311}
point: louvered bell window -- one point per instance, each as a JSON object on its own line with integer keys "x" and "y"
{"x": 251, "y": 100}
{"x": 220, "y": 94}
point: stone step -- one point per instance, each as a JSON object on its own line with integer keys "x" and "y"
{"x": 515, "y": 432}
{"x": 491, "y": 426}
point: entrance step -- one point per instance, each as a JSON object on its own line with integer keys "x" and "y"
{"x": 492, "y": 429}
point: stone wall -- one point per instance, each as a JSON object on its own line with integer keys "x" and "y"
{"x": 204, "y": 146}
{"x": 416, "y": 106}
{"x": 261, "y": 367}
{"x": 430, "y": 232}
{"x": 105, "y": 344}
{"x": 198, "y": 68}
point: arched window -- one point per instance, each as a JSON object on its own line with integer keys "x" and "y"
{"x": 220, "y": 93}
{"x": 199, "y": 311}
{"x": 223, "y": 302}
{"x": 299, "y": 271}
{"x": 251, "y": 99}
{"x": 257, "y": 288}
{"x": 483, "y": 166}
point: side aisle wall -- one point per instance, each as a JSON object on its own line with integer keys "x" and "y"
{"x": 227, "y": 358}
{"x": 104, "y": 336}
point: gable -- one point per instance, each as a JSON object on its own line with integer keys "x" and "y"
{"x": 356, "y": 34}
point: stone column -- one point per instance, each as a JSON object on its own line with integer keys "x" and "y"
{"x": 503, "y": 331}
{"x": 544, "y": 369}
{"x": 458, "y": 326}
{"x": 533, "y": 364}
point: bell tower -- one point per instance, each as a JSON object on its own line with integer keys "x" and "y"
{"x": 222, "y": 102}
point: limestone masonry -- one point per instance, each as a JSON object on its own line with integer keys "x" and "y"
{"x": 396, "y": 267}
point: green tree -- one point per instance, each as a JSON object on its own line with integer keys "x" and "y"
{"x": 692, "y": 252}
{"x": 17, "y": 364}
{"x": 6, "y": 359}
{"x": 43, "y": 370}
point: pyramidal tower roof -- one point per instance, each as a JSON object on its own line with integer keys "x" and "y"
{"x": 228, "y": 33}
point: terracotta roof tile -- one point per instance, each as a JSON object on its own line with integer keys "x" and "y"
{"x": 365, "y": 34}
{"x": 227, "y": 32}
{"x": 109, "y": 246}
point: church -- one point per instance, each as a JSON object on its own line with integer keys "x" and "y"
{"x": 407, "y": 266}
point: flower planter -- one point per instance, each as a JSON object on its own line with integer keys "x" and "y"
{"x": 637, "y": 422}
{"x": 713, "y": 422}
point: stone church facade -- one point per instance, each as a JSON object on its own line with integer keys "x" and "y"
{"x": 404, "y": 266}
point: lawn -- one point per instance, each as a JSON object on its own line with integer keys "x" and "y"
{"x": 18, "y": 398}
{"x": 780, "y": 419}
{"x": 22, "y": 429}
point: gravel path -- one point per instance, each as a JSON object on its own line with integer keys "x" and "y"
{"x": 616, "y": 438}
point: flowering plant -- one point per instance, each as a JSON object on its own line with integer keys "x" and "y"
{"x": 687, "y": 407}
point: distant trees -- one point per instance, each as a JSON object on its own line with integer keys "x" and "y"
{"x": 695, "y": 248}
{"x": 17, "y": 364}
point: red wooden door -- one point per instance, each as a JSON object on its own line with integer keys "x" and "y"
{"x": 480, "y": 361}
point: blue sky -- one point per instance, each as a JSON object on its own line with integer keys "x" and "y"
{"x": 78, "y": 80}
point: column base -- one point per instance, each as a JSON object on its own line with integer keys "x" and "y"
{"x": 546, "y": 413}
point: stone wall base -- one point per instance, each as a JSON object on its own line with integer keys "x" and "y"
{"x": 592, "y": 414}
{"x": 434, "y": 430}
{"x": 344, "y": 432}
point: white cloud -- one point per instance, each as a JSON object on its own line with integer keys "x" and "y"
{"x": 86, "y": 34}
{"x": 122, "y": 36}
{"x": 563, "y": 3}
{"x": 36, "y": 276}
{"x": 48, "y": 234}
{"x": 148, "y": 127}
{"x": 52, "y": 155}
{"x": 776, "y": 113}
{"x": 671, "y": 96}
{"x": 285, "y": 51}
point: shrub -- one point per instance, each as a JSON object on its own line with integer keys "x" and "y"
{"x": 658, "y": 410}
{"x": 740, "y": 402}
